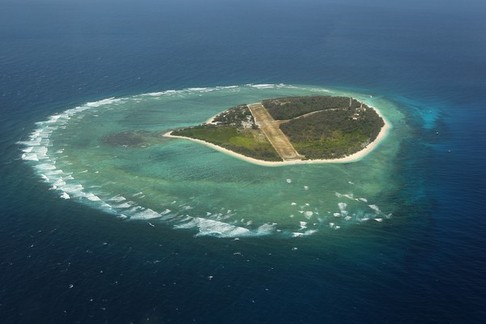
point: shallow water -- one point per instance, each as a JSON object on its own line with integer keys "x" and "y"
{"x": 188, "y": 186}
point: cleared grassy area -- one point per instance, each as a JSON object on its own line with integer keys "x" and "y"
{"x": 248, "y": 142}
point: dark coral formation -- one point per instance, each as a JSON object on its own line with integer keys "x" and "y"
{"x": 128, "y": 139}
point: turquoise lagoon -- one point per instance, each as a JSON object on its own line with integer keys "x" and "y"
{"x": 188, "y": 186}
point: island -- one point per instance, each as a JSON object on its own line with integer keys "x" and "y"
{"x": 292, "y": 130}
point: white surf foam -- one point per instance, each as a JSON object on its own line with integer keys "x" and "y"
{"x": 103, "y": 102}
{"x": 165, "y": 212}
{"x": 262, "y": 86}
{"x": 349, "y": 196}
{"x": 145, "y": 214}
{"x": 209, "y": 227}
{"x": 65, "y": 196}
{"x": 92, "y": 197}
{"x": 308, "y": 214}
{"x": 200, "y": 89}
{"x": 30, "y": 157}
{"x": 301, "y": 234}
{"x": 268, "y": 85}
{"x": 188, "y": 91}
{"x": 266, "y": 229}
{"x": 303, "y": 225}
{"x": 375, "y": 208}
{"x": 124, "y": 205}
{"x": 161, "y": 93}
{"x": 342, "y": 206}
{"x": 117, "y": 198}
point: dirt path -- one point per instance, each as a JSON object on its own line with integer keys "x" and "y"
{"x": 275, "y": 136}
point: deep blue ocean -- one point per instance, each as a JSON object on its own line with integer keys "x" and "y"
{"x": 65, "y": 262}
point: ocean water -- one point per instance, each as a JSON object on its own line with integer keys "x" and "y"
{"x": 177, "y": 232}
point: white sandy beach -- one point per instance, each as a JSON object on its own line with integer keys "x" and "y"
{"x": 347, "y": 159}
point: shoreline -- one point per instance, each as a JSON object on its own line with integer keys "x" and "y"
{"x": 355, "y": 157}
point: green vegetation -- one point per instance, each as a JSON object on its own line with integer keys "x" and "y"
{"x": 291, "y": 107}
{"x": 235, "y": 130}
{"x": 319, "y": 127}
{"x": 333, "y": 133}
{"x": 248, "y": 142}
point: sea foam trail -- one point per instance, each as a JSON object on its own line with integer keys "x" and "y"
{"x": 36, "y": 149}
